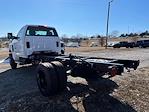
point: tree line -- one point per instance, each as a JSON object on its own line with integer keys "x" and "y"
{"x": 146, "y": 33}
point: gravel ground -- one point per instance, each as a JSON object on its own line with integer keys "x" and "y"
{"x": 126, "y": 93}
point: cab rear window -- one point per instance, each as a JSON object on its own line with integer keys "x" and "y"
{"x": 40, "y": 31}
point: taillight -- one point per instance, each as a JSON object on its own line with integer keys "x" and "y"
{"x": 113, "y": 71}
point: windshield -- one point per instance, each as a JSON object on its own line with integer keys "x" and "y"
{"x": 40, "y": 31}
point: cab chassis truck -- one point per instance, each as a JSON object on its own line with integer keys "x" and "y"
{"x": 52, "y": 73}
{"x": 53, "y": 66}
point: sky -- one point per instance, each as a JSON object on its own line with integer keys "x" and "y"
{"x": 72, "y": 17}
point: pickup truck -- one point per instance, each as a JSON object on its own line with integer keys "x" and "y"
{"x": 41, "y": 45}
{"x": 32, "y": 42}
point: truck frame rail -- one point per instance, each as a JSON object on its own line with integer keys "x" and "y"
{"x": 52, "y": 72}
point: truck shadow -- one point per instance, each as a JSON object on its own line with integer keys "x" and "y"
{"x": 93, "y": 97}
{"x": 96, "y": 96}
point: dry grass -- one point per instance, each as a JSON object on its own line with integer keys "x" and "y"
{"x": 4, "y": 66}
{"x": 134, "y": 89}
{"x": 83, "y": 49}
{"x": 3, "y": 54}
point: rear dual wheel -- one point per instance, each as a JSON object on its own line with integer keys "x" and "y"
{"x": 61, "y": 74}
{"x": 51, "y": 78}
{"x": 36, "y": 62}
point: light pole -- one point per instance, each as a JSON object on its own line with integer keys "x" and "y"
{"x": 107, "y": 29}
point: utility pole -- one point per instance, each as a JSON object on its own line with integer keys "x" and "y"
{"x": 107, "y": 29}
{"x": 128, "y": 29}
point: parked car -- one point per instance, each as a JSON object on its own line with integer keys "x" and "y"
{"x": 93, "y": 44}
{"x": 121, "y": 44}
{"x": 124, "y": 44}
{"x": 131, "y": 44}
{"x": 142, "y": 43}
{"x": 73, "y": 44}
{"x": 111, "y": 44}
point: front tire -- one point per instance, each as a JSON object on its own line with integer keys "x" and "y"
{"x": 62, "y": 51}
{"x": 12, "y": 63}
{"x": 140, "y": 46}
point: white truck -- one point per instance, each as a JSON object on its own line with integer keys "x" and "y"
{"x": 32, "y": 42}
{"x": 35, "y": 43}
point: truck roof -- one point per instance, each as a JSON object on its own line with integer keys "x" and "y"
{"x": 39, "y": 26}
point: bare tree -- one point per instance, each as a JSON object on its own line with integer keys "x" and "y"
{"x": 102, "y": 41}
{"x": 134, "y": 39}
{"x": 64, "y": 36}
{"x": 87, "y": 42}
{"x": 114, "y": 33}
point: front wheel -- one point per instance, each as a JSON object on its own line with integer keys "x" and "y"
{"x": 140, "y": 46}
{"x": 62, "y": 51}
{"x": 12, "y": 63}
{"x": 34, "y": 63}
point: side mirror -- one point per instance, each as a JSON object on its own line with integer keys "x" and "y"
{"x": 9, "y": 36}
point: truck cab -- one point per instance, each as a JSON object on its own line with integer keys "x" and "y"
{"x": 33, "y": 42}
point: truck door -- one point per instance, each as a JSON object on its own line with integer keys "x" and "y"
{"x": 17, "y": 46}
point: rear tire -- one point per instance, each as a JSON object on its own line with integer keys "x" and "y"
{"x": 61, "y": 74}
{"x": 47, "y": 79}
{"x": 35, "y": 63}
{"x": 51, "y": 78}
